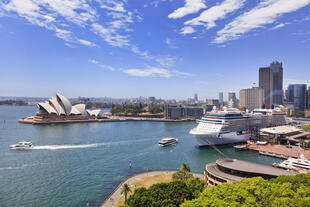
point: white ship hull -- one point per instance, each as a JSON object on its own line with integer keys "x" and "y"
{"x": 216, "y": 139}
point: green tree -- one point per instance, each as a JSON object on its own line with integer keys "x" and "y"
{"x": 289, "y": 191}
{"x": 185, "y": 167}
{"x": 125, "y": 190}
{"x": 306, "y": 127}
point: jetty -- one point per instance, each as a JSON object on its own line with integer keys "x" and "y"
{"x": 275, "y": 150}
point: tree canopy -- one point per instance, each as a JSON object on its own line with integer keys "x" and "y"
{"x": 289, "y": 191}
{"x": 166, "y": 194}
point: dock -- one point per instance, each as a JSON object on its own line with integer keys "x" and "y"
{"x": 278, "y": 151}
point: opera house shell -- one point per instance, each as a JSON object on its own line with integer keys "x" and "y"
{"x": 60, "y": 107}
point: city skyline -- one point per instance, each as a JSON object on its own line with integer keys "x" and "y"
{"x": 166, "y": 49}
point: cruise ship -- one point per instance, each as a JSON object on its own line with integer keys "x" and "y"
{"x": 232, "y": 126}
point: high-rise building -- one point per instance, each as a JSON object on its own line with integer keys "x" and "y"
{"x": 213, "y": 102}
{"x": 232, "y": 98}
{"x": 271, "y": 80}
{"x": 221, "y": 97}
{"x": 251, "y": 98}
{"x": 297, "y": 96}
{"x": 308, "y": 99}
{"x": 196, "y": 97}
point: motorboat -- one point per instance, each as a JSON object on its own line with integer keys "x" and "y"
{"x": 167, "y": 141}
{"x": 23, "y": 145}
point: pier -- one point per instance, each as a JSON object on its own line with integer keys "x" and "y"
{"x": 278, "y": 151}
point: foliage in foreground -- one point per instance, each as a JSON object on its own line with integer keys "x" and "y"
{"x": 166, "y": 194}
{"x": 183, "y": 173}
{"x": 306, "y": 127}
{"x": 289, "y": 191}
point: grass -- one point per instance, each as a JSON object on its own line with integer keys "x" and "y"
{"x": 145, "y": 182}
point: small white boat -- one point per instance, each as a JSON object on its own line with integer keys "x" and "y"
{"x": 167, "y": 141}
{"x": 21, "y": 146}
{"x": 294, "y": 164}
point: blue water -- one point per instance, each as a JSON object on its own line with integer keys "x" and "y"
{"x": 73, "y": 164}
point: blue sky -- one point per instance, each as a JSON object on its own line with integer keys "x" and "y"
{"x": 162, "y": 48}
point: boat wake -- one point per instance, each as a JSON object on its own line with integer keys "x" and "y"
{"x": 58, "y": 147}
{"x": 21, "y": 167}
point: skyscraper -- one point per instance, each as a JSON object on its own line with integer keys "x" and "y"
{"x": 308, "y": 98}
{"x": 297, "y": 96}
{"x": 271, "y": 81}
{"x": 221, "y": 97}
{"x": 196, "y": 97}
{"x": 232, "y": 98}
{"x": 251, "y": 98}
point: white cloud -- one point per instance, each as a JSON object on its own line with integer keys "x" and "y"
{"x": 170, "y": 43}
{"x": 112, "y": 5}
{"x": 209, "y": 16}
{"x": 108, "y": 67}
{"x": 110, "y": 35}
{"x": 266, "y": 12}
{"x": 166, "y": 61}
{"x": 187, "y": 30}
{"x": 87, "y": 43}
{"x": 149, "y": 72}
{"x": 190, "y": 7}
{"x": 279, "y": 26}
{"x": 93, "y": 61}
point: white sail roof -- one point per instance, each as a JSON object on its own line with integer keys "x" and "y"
{"x": 65, "y": 103}
{"x": 95, "y": 112}
{"x": 80, "y": 108}
{"x": 45, "y": 107}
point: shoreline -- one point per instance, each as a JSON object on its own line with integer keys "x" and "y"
{"x": 115, "y": 195}
{"x": 113, "y": 119}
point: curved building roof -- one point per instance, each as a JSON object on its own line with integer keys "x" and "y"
{"x": 251, "y": 167}
{"x": 80, "y": 108}
{"x": 45, "y": 107}
{"x": 65, "y": 103}
{"x": 57, "y": 107}
{"x": 95, "y": 112}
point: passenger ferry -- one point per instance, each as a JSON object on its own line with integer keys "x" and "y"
{"x": 231, "y": 125}
{"x": 294, "y": 164}
{"x": 21, "y": 146}
{"x": 167, "y": 141}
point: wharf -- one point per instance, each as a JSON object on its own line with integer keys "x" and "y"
{"x": 108, "y": 119}
{"x": 279, "y": 151}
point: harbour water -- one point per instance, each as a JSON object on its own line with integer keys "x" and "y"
{"x": 73, "y": 164}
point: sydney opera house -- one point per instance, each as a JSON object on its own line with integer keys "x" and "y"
{"x": 59, "y": 108}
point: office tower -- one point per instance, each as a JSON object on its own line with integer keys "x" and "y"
{"x": 221, "y": 97}
{"x": 251, "y": 98}
{"x": 271, "y": 80}
{"x": 232, "y": 98}
{"x": 308, "y": 98}
{"x": 213, "y": 102}
{"x": 297, "y": 96}
{"x": 196, "y": 97}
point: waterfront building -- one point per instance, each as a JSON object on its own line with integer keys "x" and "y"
{"x": 284, "y": 134}
{"x": 297, "y": 96}
{"x": 221, "y": 98}
{"x": 232, "y": 98}
{"x": 196, "y": 112}
{"x": 59, "y": 108}
{"x": 271, "y": 81}
{"x": 173, "y": 111}
{"x": 251, "y": 98}
{"x": 227, "y": 170}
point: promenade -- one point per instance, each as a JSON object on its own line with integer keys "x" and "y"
{"x": 116, "y": 194}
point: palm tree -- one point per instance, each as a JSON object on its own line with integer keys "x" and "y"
{"x": 185, "y": 167}
{"x": 125, "y": 190}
